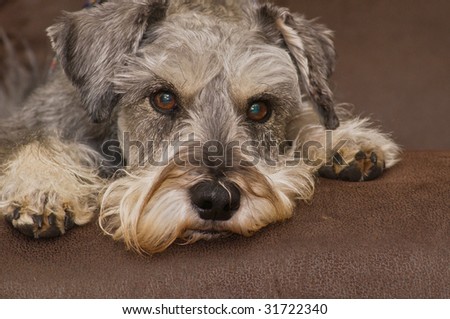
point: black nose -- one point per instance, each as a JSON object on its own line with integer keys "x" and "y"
{"x": 214, "y": 201}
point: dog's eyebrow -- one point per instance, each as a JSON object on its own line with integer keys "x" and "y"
{"x": 158, "y": 83}
{"x": 134, "y": 89}
{"x": 263, "y": 96}
{"x": 271, "y": 93}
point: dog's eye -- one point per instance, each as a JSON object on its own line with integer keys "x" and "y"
{"x": 259, "y": 111}
{"x": 164, "y": 102}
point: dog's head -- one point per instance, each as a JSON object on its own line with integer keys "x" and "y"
{"x": 202, "y": 99}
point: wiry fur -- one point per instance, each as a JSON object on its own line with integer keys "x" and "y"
{"x": 73, "y": 135}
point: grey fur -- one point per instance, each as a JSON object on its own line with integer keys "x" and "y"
{"x": 217, "y": 58}
{"x": 91, "y": 43}
{"x": 314, "y": 57}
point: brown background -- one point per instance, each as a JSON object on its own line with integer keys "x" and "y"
{"x": 393, "y": 57}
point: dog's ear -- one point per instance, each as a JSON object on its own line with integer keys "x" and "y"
{"x": 311, "y": 48}
{"x": 89, "y": 44}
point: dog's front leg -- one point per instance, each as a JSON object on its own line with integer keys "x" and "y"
{"x": 47, "y": 186}
{"x": 355, "y": 151}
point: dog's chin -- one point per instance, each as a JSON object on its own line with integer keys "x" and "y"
{"x": 193, "y": 235}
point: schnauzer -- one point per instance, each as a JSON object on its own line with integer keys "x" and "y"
{"x": 179, "y": 121}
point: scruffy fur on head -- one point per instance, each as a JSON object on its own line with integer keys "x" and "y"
{"x": 180, "y": 121}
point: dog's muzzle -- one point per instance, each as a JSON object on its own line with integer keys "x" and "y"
{"x": 215, "y": 201}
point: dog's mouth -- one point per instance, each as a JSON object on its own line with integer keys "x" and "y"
{"x": 207, "y": 233}
{"x": 210, "y": 232}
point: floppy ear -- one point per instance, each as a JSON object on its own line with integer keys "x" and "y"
{"x": 89, "y": 44}
{"x": 312, "y": 50}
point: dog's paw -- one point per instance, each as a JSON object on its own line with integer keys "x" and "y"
{"x": 45, "y": 216}
{"x": 44, "y": 193}
{"x": 355, "y": 165}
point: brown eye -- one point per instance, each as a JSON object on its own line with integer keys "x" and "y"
{"x": 165, "y": 102}
{"x": 258, "y": 112}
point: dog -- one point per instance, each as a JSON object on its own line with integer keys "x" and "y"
{"x": 175, "y": 121}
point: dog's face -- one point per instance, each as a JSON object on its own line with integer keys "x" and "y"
{"x": 203, "y": 102}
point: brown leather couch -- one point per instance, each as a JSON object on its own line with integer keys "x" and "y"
{"x": 389, "y": 238}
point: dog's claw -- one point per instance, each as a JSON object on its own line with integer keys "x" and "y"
{"x": 68, "y": 221}
{"x": 373, "y": 158}
{"x": 52, "y": 219}
{"x": 374, "y": 172}
{"x": 16, "y": 213}
{"x": 38, "y": 220}
{"x": 360, "y": 156}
